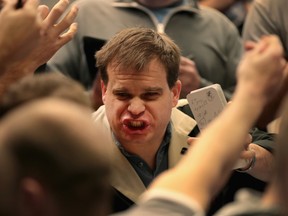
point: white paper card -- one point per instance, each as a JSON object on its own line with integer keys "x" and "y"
{"x": 206, "y": 103}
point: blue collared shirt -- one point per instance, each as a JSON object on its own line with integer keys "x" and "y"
{"x": 161, "y": 12}
{"x": 143, "y": 170}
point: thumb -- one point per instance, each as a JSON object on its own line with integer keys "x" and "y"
{"x": 191, "y": 140}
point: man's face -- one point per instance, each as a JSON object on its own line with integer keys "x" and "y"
{"x": 138, "y": 104}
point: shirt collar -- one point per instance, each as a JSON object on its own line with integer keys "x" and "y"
{"x": 186, "y": 4}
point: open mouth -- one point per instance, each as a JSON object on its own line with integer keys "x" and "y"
{"x": 135, "y": 125}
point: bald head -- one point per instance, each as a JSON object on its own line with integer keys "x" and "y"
{"x": 55, "y": 144}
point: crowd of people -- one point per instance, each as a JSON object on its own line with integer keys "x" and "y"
{"x": 94, "y": 116}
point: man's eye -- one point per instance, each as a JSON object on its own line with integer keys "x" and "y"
{"x": 151, "y": 95}
{"x": 122, "y": 95}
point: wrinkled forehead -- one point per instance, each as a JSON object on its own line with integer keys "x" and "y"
{"x": 118, "y": 67}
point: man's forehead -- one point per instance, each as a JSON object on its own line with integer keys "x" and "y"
{"x": 116, "y": 67}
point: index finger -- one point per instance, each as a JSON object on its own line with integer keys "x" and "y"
{"x": 55, "y": 13}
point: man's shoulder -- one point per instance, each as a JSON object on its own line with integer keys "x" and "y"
{"x": 99, "y": 112}
{"x": 99, "y": 117}
{"x": 212, "y": 13}
{"x": 215, "y": 17}
{"x": 181, "y": 119}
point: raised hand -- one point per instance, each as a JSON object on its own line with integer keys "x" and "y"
{"x": 20, "y": 31}
{"x": 53, "y": 32}
{"x": 262, "y": 68}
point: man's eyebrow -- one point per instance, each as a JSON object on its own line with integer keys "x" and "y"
{"x": 158, "y": 89}
{"x": 120, "y": 89}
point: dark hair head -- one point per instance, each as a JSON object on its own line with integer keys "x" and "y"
{"x": 135, "y": 48}
{"x": 54, "y": 142}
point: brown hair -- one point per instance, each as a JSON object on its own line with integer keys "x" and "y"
{"x": 135, "y": 48}
{"x": 47, "y": 145}
{"x": 42, "y": 86}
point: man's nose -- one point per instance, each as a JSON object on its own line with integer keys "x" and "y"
{"x": 136, "y": 106}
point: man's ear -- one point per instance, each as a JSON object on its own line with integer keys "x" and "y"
{"x": 176, "y": 89}
{"x": 32, "y": 197}
{"x": 96, "y": 93}
{"x": 103, "y": 90}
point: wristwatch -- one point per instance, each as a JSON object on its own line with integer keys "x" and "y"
{"x": 249, "y": 166}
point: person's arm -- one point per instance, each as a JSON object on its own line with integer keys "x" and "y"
{"x": 206, "y": 166}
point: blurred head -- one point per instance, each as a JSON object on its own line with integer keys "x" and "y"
{"x": 140, "y": 86}
{"x": 281, "y": 171}
{"x": 61, "y": 167}
{"x": 41, "y": 86}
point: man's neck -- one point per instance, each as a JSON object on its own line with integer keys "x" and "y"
{"x": 146, "y": 152}
{"x": 157, "y": 3}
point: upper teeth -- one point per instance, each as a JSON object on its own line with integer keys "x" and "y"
{"x": 136, "y": 123}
